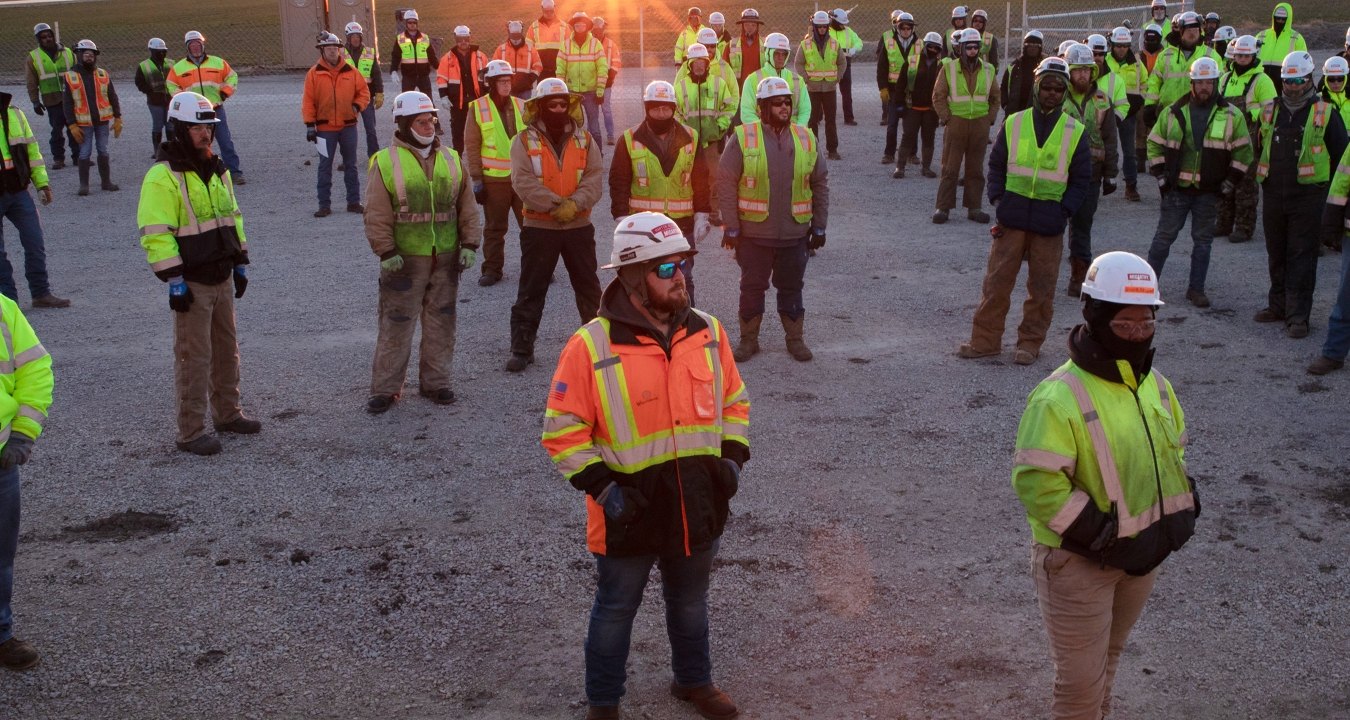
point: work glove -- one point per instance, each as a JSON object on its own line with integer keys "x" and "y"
{"x": 565, "y": 211}
{"x": 46, "y": 194}
{"x": 622, "y": 504}
{"x": 311, "y": 134}
{"x": 730, "y": 237}
{"x": 942, "y": 122}
{"x": 1164, "y": 184}
{"x": 599, "y": 97}
{"x": 180, "y": 296}
{"x": 729, "y": 480}
{"x": 16, "y": 452}
{"x": 240, "y": 280}
{"x": 1227, "y": 188}
{"x": 1150, "y": 116}
{"x": 379, "y": 100}
{"x": 702, "y": 226}
{"x": 479, "y": 193}
{"x": 995, "y": 231}
{"x": 467, "y": 257}
{"x": 885, "y": 96}
{"x": 77, "y": 133}
{"x": 1108, "y": 187}
{"x": 39, "y": 109}
{"x": 117, "y": 127}
{"x": 609, "y": 80}
{"x": 393, "y": 263}
{"x": 817, "y": 239}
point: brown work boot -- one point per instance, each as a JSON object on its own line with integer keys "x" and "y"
{"x": 204, "y": 445}
{"x": 1323, "y": 365}
{"x": 1077, "y": 273}
{"x": 1266, "y": 315}
{"x": 241, "y": 426}
{"x": 1022, "y": 356}
{"x": 796, "y": 347}
{"x": 50, "y": 301}
{"x": 16, "y": 654}
{"x": 748, "y": 345}
{"x": 977, "y": 215}
{"x": 708, "y": 700}
{"x": 970, "y": 352}
{"x": 1132, "y": 192}
{"x": 603, "y": 712}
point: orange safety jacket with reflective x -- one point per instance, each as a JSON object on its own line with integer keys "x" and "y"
{"x": 624, "y": 408}
{"x": 561, "y": 176}
{"x": 449, "y": 79}
{"x": 79, "y": 95}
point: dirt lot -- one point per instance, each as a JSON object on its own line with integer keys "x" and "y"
{"x": 430, "y": 563}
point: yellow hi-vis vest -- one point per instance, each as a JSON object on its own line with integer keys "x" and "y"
{"x": 964, "y": 102}
{"x": 496, "y": 149}
{"x": 25, "y": 376}
{"x": 363, "y": 64}
{"x": 155, "y": 76}
{"x": 1092, "y": 114}
{"x": 652, "y": 190}
{"x": 414, "y": 52}
{"x": 1040, "y": 172}
{"x": 48, "y": 72}
{"x": 752, "y": 191}
{"x": 897, "y": 61}
{"x": 425, "y": 217}
{"x": 80, "y": 98}
{"x": 1339, "y": 192}
{"x": 818, "y": 67}
{"x": 1314, "y": 160}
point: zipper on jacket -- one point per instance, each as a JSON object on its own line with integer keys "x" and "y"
{"x": 675, "y": 443}
{"x": 1153, "y": 455}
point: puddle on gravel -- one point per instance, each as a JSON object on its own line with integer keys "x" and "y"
{"x": 121, "y": 526}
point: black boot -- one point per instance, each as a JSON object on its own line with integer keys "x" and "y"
{"x": 156, "y": 138}
{"x": 84, "y": 177}
{"x": 105, "y": 174}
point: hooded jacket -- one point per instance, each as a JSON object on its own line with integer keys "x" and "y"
{"x": 1274, "y": 46}
{"x": 333, "y": 96}
{"x": 530, "y": 188}
{"x": 621, "y": 168}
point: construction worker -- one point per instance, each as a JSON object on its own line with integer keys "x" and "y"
{"x": 46, "y": 63}
{"x": 921, "y": 117}
{"x": 774, "y": 193}
{"x": 1210, "y": 29}
{"x": 458, "y": 80}
{"x": 546, "y": 35}
{"x": 1334, "y": 72}
{"x": 718, "y": 23}
{"x": 557, "y": 172}
{"x": 966, "y": 100}
{"x": 92, "y": 109}
{"x": 717, "y": 67}
{"x": 988, "y": 43}
{"x": 850, "y": 45}
{"x": 213, "y": 78}
{"x": 688, "y": 34}
{"x": 583, "y": 66}
{"x": 1036, "y": 182}
{"x": 1300, "y": 134}
{"x": 1126, "y": 66}
{"x": 150, "y": 75}
{"x": 193, "y": 235}
{"x": 1246, "y": 87}
{"x": 362, "y": 57}
{"x": 335, "y": 96}
{"x": 1279, "y": 40}
{"x": 614, "y": 59}
{"x": 1335, "y": 226}
{"x": 745, "y": 52}
{"x": 21, "y": 164}
{"x": 424, "y": 227}
{"x": 899, "y": 55}
{"x": 27, "y": 391}
{"x": 655, "y": 170}
{"x": 1100, "y": 468}
{"x": 1158, "y": 16}
{"x": 1015, "y": 89}
{"x": 1222, "y": 37}
{"x": 777, "y": 48}
{"x": 1148, "y": 60}
{"x": 707, "y": 104}
{"x": 658, "y": 476}
{"x": 414, "y": 58}
{"x": 523, "y": 57}
{"x": 1198, "y": 150}
{"x": 1170, "y": 79}
{"x": 1110, "y": 83}
{"x": 952, "y": 39}
{"x": 822, "y": 62}
{"x": 495, "y": 118}
{"x": 1087, "y": 103}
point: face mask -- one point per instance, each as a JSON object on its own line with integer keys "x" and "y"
{"x": 554, "y": 120}
{"x": 1099, "y": 316}
{"x": 660, "y": 127}
{"x": 422, "y": 139}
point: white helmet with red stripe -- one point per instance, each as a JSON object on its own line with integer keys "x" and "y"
{"x": 413, "y": 103}
{"x": 643, "y": 237}
{"x": 1122, "y": 278}
{"x": 498, "y": 68}
{"x": 659, "y": 91}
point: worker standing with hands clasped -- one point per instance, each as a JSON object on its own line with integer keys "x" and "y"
{"x": 458, "y": 80}
{"x": 1089, "y": 105}
{"x": 850, "y": 45}
{"x": 1100, "y": 467}
{"x": 901, "y": 53}
{"x": 335, "y": 95}
{"x": 821, "y": 61}
{"x": 20, "y": 165}
{"x": 1246, "y": 87}
{"x": 423, "y": 225}
{"x": 966, "y": 100}
{"x": 777, "y": 49}
{"x": 648, "y": 416}
{"x": 413, "y": 57}
{"x": 92, "y": 108}
{"x": 494, "y": 119}
{"x": 213, "y": 78}
{"x": 524, "y": 59}
{"x": 583, "y": 66}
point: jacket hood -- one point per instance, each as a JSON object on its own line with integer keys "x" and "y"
{"x": 1087, "y": 353}
{"x": 615, "y": 305}
{"x": 573, "y": 110}
{"x": 1288, "y": 22}
{"x": 4, "y": 101}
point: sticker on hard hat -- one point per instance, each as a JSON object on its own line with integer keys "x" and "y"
{"x": 667, "y": 230}
{"x": 1140, "y": 289}
{"x": 627, "y": 255}
{"x": 1139, "y": 276}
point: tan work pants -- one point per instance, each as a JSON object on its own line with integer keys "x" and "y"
{"x": 206, "y": 360}
{"x": 964, "y": 143}
{"x": 1088, "y": 612}
{"x": 426, "y": 287}
{"x": 499, "y": 204}
{"x": 1042, "y": 253}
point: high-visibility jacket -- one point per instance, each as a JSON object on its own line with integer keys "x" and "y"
{"x": 48, "y": 70}
{"x": 849, "y": 42}
{"x": 25, "y": 376}
{"x": 801, "y": 98}
{"x": 1086, "y": 444}
{"x": 1171, "y": 76}
{"x": 752, "y": 188}
{"x": 1314, "y": 160}
{"x": 212, "y": 78}
{"x": 1338, "y": 195}
{"x": 1092, "y": 112}
{"x": 1113, "y": 87}
{"x": 1251, "y": 91}
{"x": 413, "y": 52}
{"x": 365, "y": 64}
{"x": 20, "y": 152}
{"x": 449, "y": 78}
{"x": 817, "y": 66}
{"x": 899, "y": 61}
{"x": 963, "y": 100}
{"x": 79, "y": 95}
{"x": 1339, "y": 101}
{"x": 612, "y": 55}
{"x": 333, "y": 96}
{"x": 736, "y": 55}
{"x": 707, "y": 107}
{"x": 523, "y": 59}
{"x": 154, "y": 76}
{"x": 547, "y": 35}
{"x": 1040, "y": 172}
{"x": 561, "y": 175}
{"x": 652, "y": 190}
{"x": 688, "y": 36}
{"x": 1227, "y": 146}
{"x": 717, "y": 68}
{"x": 623, "y": 409}
{"x": 986, "y": 42}
{"x": 583, "y": 66}
{"x": 1133, "y": 74}
{"x": 496, "y": 147}
{"x": 1274, "y": 47}
{"x": 187, "y": 223}
{"x": 426, "y": 216}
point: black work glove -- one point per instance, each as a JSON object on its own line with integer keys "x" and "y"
{"x": 240, "y": 280}
{"x": 730, "y": 238}
{"x": 180, "y": 295}
{"x": 311, "y": 134}
{"x": 817, "y": 239}
{"x": 1195, "y": 495}
{"x": 1227, "y": 188}
{"x": 1108, "y": 187}
{"x": 480, "y": 193}
{"x": 622, "y": 504}
{"x": 39, "y": 109}
{"x": 728, "y": 478}
{"x": 1150, "y": 116}
{"x": 16, "y": 452}
{"x": 1093, "y": 529}
{"x": 1164, "y": 184}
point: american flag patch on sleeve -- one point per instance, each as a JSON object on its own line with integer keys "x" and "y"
{"x": 559, "y": 391}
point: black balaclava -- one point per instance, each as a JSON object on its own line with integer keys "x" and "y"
{"x": 158, "y": 56}
{"x": 1099, "y": 314}
{"x": 932, "y": 49}
{"x": 1152, "y": 42}
{"x": 555, "y": 121}
{"x": 660, "y": 127}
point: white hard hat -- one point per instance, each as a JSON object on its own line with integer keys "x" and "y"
{"x": 546, "y": 4}
{"x": 1036, "y": 35}
{"x": 696, "y": 52}
{"x": 1335, "y": 66}
{"x": 1225, "y": 33}
{"x": 515, "y": 26}
{"x": 1154, "y": 28}
{"x": 1347, "y": 36}
{"x": 498, "y": 68}
{"x": 643, "y": 237}
{"x": 1097, "y": 43}
{"x": 1122, "y": 278}
{"x": 413, "y": 103}
{"x": 772, "y": 86}
{"x": 932, "y": 38}
{"x": 707, "y": 36}
{"x": 353, "y": 28}
{"x": 1212, "y": 16}
{"x": 750, "y": 16}
{"x": 157, "y": 44}
{"x": 1064, "y": 47}
{"x": 410, "y": 15}
{"x": 1053, "y": 66}
{"x": 980, "y": 14}
{"x": 971, "y": 35}
{"x": 86, "y": 44}
{"x": 717, "y": 18}
{"x": 820, "y": 17}
{"x": 581, "y": 16}
{"x": 1204, "y": 69}
{"x": 1079, "y": 55}
{"x": 1122, "y": 36}
{"x": 777, "y": 41}
{"x": 1190, "y": 19}
{"x": 1296, "y": 64}
{"x": 958, "y": 12}
{"x": 189, "y": 107}
{"x": 327, "y": 39}
{"x": 194, "y": 35}
{"x": 840, "y": 16}
{"x": 550, "y": 87}
{"x": 1280, "y": 12}
{"x": 1244, "y": 45}
{"x": 901, "y": 17}
{"x": 598, "y": 22}
{"x": 659, "y": 91}
{"x": 1159, "y": 3}
{"x": 40, "y": 28}
{"x": 462, "y": 31}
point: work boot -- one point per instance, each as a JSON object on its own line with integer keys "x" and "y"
{"x": 748, "y": 345}
{"x": 927, "y": 172}
{"x": 977, "y": 215}
{"x": 1296, "y": 329}
{"x": 1266, "y": 315}
{"x": 708, "y": 700}
{"x": 914, "y": 159}
{"x": 1022, "y": 356}
{"x": 59, "y": 164}
{"x": 519, "y": 361}
{"x": 603, "y": 712}
{"x": 1223, "y": 230}
{"x": 50, "y": 301}
{"x": 16, "y": 655}
{"x": 792, "y": 329}
{"x": 241, "y": 425}
{"x": 1077, "y": 273}
{"x": 155, "y": 138}
{"x": 1323, "y": 365}
{"x": 356, "y": 208}
{"x": 1198, "y": 298}
{"x": 84, "y": 178}
{"x": 1132, "y": 192}
{"x": 888, "y": 159}
{"x": 378, "y": 404}
{"x": 488, "y": 279}
{"x": 835, "y": 156}
{"x": 850, "y": 122}
{"x": 342, "y": 166}
{"x": 939, "y": 217}
{"x": 444, "y": 396}
{"x": 204, "y": 445}
{"x": 323, "y": 212}
{"x": 1240, "y": 236}
{"x": 238, "y": 178}
{"x": 899, "y": 172}
{"x": 105, "y": 174}
{"x": 969, "y": 352}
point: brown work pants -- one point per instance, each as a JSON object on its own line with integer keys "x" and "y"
{"x": 1042, "y": 253}
{"x": 1088, "y": 612}
{"x": 206, "y": 360}
{"x": 426, "y": 287}
{"x": 499, "y": 203}
{"x": 963, "y": 147}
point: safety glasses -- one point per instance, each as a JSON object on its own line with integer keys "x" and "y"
{"x": 556, "y": 105}
{"x": 1126, "y": 328}
{"x": 666, "y": 270}
{"x": 1335, "y": 80}
{"x": 779, "y": 102}
{"x": 1296, "y": 81}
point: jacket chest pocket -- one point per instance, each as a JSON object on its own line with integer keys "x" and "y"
{"x": 698, "y": 395}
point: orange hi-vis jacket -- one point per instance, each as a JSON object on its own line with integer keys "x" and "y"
{"x": 448, "y": 77}
{"x": 561, "y": 176}
{"x": 523, "y": 59}
{"x": 623, "y": 408}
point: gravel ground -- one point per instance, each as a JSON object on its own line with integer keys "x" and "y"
{"x": 431, "y": 563}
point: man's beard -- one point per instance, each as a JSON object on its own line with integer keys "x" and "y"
{"x": 675, "y": 302}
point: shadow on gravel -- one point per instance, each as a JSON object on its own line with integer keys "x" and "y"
{"x": 120, "y": 527}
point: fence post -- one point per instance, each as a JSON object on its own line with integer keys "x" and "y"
{"x": 642, "y": 40}
{"x": 1007, "y": 30}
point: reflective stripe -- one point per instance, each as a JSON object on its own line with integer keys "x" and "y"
{"x": 193, "y": 227}
{"x": 33, "y": 414}
{"x": 4, "y": 433}
{"x": 609, "y": 380}
{"x": 156, "y": 229}
{"x": 559, "y": 424}
{"x": 7, "y": 365}
{"x": 1045, "y": 460}
{"x": 1069, "y": 512}
{"x": 166, "y": 263}
{"x": 37, "y": 352}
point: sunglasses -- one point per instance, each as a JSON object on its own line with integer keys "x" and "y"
{"x": 1335, "y": 80}
{"x": 779, "y": 102}
{"x": 556, "y": 105}
{"x": 666, "y": 270}
{"x": 1296, "y": 81}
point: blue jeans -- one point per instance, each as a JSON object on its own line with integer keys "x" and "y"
{"x": 226, "y": 142}
{"x": 95, "y": 134}
{"x": 372, "y": 137}
{"x": 9, "y": 544}
{"x": 784, "y": 265}
{"x": 1203, "y": 209}
{"x": 21, "y": 211}
{"x": 607, "y": 110}
{"x": 1129, "y": 164}
{"x": 592, "y": 108}
{"x": 158, "y": 115}
{"x": 684, "y": 585}
{"x": 894, "y": 113}
{"x": 344, "y": 139}
{"x": 56, "y": 115}
{"x": 1337, "y": 345}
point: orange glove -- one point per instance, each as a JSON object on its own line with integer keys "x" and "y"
{"x": 76, "y": 132}
{"x": 117, "y": 127}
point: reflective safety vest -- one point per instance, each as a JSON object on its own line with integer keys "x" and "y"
{"x": 562, "y": 176}
{"x": 524, "y": 59}
{"x": 688, "y": 36}
{"x": 186, "y": 222}
{"x": 1274, "y": 48}
{"x": 707, "y": 106}
{"x": 547, "y": 36}
{"x": 426, "y": 221}
{"x": 1131, "y": 73}
{"x": 154, "y": 75}
{"x": 1314, "y": 160}
{"x": 1251, "y": 91}
{"x": 1040, "y": 172}
{"x": 364, "y": 64}
{"x": 1339, "y": 193}
{"x": 652, "y": 189}
{"x": 496, "y": 148}
{"x": 448, "y": 76}
{"x": 21, "y": 139}
{"x": 79, "y": 95}
{"x": 583, "y": 67}
{"x": 898, "y": 61}
{"x": 964, "y": 101}
{"x": 1113, "y": 86}
{"x": 49, "y": 70}
{"x": 1339, "y": 101}
{"x": 1171, "y": 76}
{"x": 1091, "y": 113}
{"x": 752, "y": 190}
{"x": 25, "y": 376}
{"x": 817, "y": 66}
{"x": 801, "y": 99}
{"x": 414, "y": 52}
{"x": 1227, "y": 146}
{"x": 213, "y": 78}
